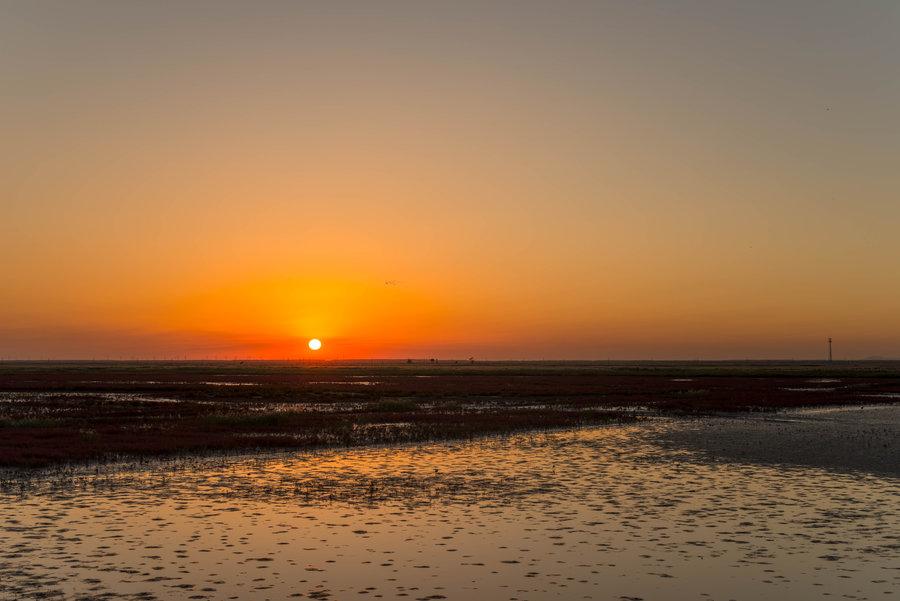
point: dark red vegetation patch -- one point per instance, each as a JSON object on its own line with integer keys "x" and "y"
{"x": 53, "y": 414}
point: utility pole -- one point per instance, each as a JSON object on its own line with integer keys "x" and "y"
{"x": 830, "y": 357}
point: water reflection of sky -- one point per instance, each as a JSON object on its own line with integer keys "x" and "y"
{"x": 604, "y": 513}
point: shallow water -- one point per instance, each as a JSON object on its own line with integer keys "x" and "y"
{"x": 598, "y": 513}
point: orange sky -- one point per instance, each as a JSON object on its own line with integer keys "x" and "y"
{"x": 503, "y": 180}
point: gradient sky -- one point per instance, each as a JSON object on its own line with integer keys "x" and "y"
{"x": 409, "y": 179}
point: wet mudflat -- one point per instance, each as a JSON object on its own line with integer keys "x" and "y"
{"x": 54, "y": 413}
{"x": 645, "y": 511}
{"x": 864, "y": 439}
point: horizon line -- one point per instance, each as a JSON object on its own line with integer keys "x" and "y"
{"x": 436, "y": 360}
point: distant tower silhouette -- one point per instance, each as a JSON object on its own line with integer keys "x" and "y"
{"x": 830, "y": 357}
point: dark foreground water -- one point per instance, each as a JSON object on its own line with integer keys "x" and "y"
{"x": 665, "y": 510}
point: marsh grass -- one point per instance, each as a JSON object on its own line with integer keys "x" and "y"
{"x": 30, "y": 422}
{"x": 393, "y": 406}
{"x": 58, "y": 413}
{"x": 692, "y": 392}
{"x": 249, "y": 420}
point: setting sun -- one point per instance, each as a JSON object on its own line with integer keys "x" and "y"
{"x": 314, "y": 344}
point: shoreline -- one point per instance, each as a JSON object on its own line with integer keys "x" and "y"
{"x": 758, "y": 440}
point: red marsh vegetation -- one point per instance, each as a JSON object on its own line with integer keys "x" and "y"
{"x": 54, "y": 413}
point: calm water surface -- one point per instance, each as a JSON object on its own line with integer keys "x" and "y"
{"x": 600, "y": 513}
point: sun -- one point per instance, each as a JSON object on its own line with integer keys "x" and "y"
{"x": 314, "y": 344}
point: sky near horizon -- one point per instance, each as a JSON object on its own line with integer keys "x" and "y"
{"x": 521, "y": 180}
